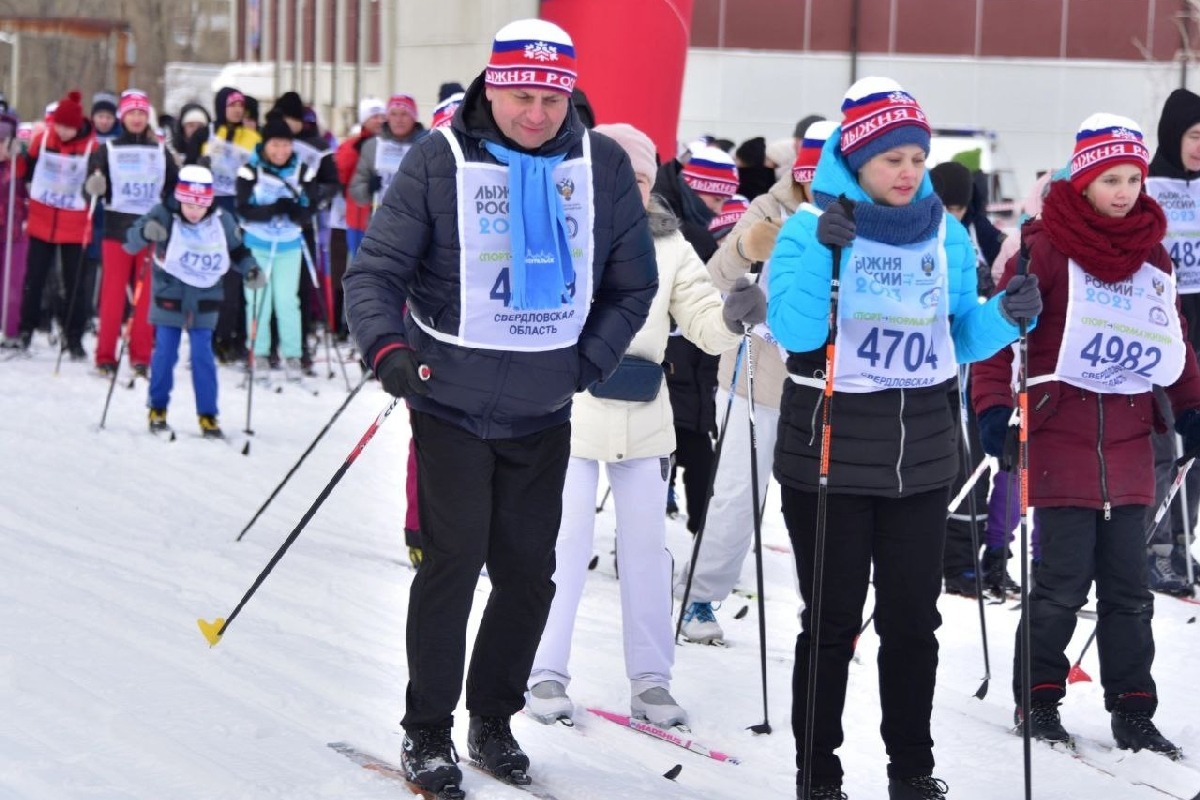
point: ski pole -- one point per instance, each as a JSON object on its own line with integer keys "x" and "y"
{"x": 213, "y": 631}
{"x": 986, "y": 465}
{"x": 250, "y": 360}
{"x": 604, "y": 499}
{"x": 75, "y": 283}
{"x": 312, "y": 274}
{"x": 973, "y": 511}
{"x": 1076, "y": 674}
{"x": 303, "y": 456}
{"x": 1026, "y": 524}
{"x": 1185, "y": 512}
{"x": 765, "y": 725}
{"x": 112, "y": 382}
{"x": 861, "y": 631}
{"x": 712, "y": 482}
{"x": 1183, "y": 465}
{"x": 814, "y": 612}
{"x": 8, "y": 240}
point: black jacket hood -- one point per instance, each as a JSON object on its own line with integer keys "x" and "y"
{"x": 1180, "y": 112}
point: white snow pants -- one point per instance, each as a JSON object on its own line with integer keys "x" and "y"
{"x": 639, "y": 488}
{"x": 729, "y": 523}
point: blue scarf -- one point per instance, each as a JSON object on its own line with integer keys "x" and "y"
{"x": 916, "y": 222}
{"x": 542, "y": 268}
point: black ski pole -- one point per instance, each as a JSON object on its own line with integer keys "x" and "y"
{"x": 973, "y": 511}
{"x": 213, "y": 631}
{"x": 75, "y": 285}
{"x": 765, "y": 725}
{"x": 112, "y": 381}
{"x": 814, "y": 611}
{"x": 303, "y": 456}
{"x": 712, "y": 481}
{"x": 312, "y": 274}
{"x": 1076, "y": 673}
{"x": 250, "y": 360}
{"x": 1023, "y": 483}
{"x": 604, "y": 499}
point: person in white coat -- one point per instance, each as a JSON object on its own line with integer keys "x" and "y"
{"x": 626, "y": 424}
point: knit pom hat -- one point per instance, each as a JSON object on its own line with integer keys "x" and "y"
{"x": 195, "y": 185}
{"x": 952, "y": 182}
{"x": 532, "y": 53}
{"x": 805, "y": 167}
{"x": 132, "y": 100}
{"x": 403, "y": 101}
{"x": 276, "y": 128}
{"x": 1103, "y": 142}
{"x": 444, "y": 112}
{"x": 731, "y": 211}
{"x": 69, "y": 111}
{"x": 877, "y": 116}
{"x": 711, "y": 171}
{"x": 289, "y": 104}
{"x": 104, "y": 101}
{"x": 636, "y": 145}
{"x": 370, "y": 107}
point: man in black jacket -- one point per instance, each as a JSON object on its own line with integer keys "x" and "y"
{"x": 487, "y": 318}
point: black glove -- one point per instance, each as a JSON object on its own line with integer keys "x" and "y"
{"x": 375, "y": 184}
{"x": 1022, "y": 301}
{"x": 994, "y": 430}
{"x": 835, "y": 227}
{"x": 744, "y": 305}
{"x": 400, "y": 374}
{"x": 1187, "y": 425}
{"x": 283, "y": 206}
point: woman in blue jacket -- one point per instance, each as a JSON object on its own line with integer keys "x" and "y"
{"x": 908, "y": 314}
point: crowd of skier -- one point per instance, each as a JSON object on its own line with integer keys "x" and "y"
{"x": 552, "y": 297}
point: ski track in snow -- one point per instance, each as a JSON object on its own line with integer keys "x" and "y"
{"x": 115, "y": 543}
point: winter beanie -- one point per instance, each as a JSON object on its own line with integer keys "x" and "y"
{"x": 194, "y": 114}
{"x": 1103, "y": 142}
{"x": 195, "y": 185}
{"x": 444, "y": 112}
{"x": 290, "y": 105}
{"x": 636, "y": 144}
{"x": 532, "y": 53}
{"x": 370, "y": 107}
{"x": 711, "y": 171}
{"x": 731, "y": 211}
{"x": 104, "y": 101}
{"x": 952, "y": 182}
{"x": 132, "y": 100}
{"x": 276, "y": 128}
{"x": 235, "y": 97}
{"x": 405, "y": 101}
{"x": 877, "y": 116}
{"x": 69, "y": 111}
{"x": 803, "y": 125}
{"x": 450, "y": 88}
{"x": 805, "y": 167}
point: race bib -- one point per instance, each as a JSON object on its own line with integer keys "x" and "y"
{"x": 1180, "y": 201}
{"x": 136, "y": 174}
{"x": 58, "y": 181}
{"x": 197, "y": 254}
{"x": 225, "y": 159}
{"x": 388, "y": 155}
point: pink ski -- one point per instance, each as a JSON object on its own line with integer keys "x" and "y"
{"x": 673, "y": 736}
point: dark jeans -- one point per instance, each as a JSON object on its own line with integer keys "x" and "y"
{"x": 229, "y": 336}
{"x": 903, "y": 539}
{"x": 41, "y": 255}
{"x": 338, "y": 260}
{"x": 493, "y": 502}
{"x": 694, "y": 455}
{"x": 1079, "y": 546}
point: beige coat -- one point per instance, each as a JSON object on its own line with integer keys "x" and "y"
{"x": 616, "y": 430}
{"x": 725, "y": 267}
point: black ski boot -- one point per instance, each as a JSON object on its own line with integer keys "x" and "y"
{"x": 430, "y": 761}
{"x": 995, "y": 573}
{"x": 1047, "y": 724}
{"x": 829, "y": 791}
{"x": 925, "y": 787}
{"x": 491, "y": 745}
{"x": 961, "y": 584}
{"x": 1134, "y": 730}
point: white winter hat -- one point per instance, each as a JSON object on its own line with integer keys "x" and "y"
{"x": 195, "y": 185}
{"x": 370, "y": 107}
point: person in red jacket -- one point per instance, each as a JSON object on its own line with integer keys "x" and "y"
{"x": 1111, "y": 329}
{"x": 59, "y": 225}
{"x": 372, "y": 113}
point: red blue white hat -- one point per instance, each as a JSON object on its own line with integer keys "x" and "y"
{"x": 403, "y": 101}
{"x": 1103, "y": 142}
{"x": 532, "y": 53}
{"x": 711, "y": 171}
{"x": 731, "y": 211}
{"x": 195, "y": 185}
{"x": 877, "y": 116}
{"x": 132, "y": 100}
{"x": 805, "y": 167}
{"x": 444, "y": 112}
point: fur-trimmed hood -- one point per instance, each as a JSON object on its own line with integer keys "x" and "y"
{"x": 663, "y": 221}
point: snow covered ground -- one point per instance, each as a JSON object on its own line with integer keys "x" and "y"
{"x": 114, "y": 542}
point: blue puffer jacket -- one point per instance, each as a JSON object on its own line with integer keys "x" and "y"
{"x": 891, "y": 443}
{"x": 410, "y": 254}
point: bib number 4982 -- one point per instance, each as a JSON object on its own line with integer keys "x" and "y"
{"x": 912, "y": 349}
{"x": 1131, "y": 355}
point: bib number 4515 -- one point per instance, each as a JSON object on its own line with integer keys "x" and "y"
{"x": 910, "y": 349}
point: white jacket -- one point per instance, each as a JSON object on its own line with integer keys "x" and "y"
{"x": 616, "y": 430}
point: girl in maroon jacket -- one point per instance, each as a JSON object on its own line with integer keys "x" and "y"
{"x": 1110, "y": 330}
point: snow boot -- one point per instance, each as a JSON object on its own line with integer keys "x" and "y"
{"x": 429, "y": 759}
{"x": 209, "y": 428}
{"x": 700, "y": 624}
{"x": 657, "y": 706}
{"x": 1179, "y": 561}
{"x": 106, "y": 370}
{"x": 158, "y": 420}
{"x": 961, "y": 584}
{"x": 831, "y": 791}
{"x": 75, "y": 349}
{"x": 1047, "y": 724}
{"x": 1163, "y": 578}
{"x": 925, "y": 787}
{"x": 995, "y": 575}
{"x": 141, "y": 371}
{"x": 547, "y": 702}
{"x": 1134, "y": 730}
{"x": 491, "y": 745}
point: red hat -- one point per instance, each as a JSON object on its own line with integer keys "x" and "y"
{"x": 805, "y": 167}
{"x": 195, "y": 185}
{"x": 1103, "y": 142}
{"x": 711, "y": 171}
{"x": 69, "y": 111}
{"x": 132, "y": 100}
{"x": 532, "y": 53}
{"x": 878, "y": 115}
{"x": 403, "y": 101}
{"x": 731, "y": 211}
{"x": 444, "y": 113}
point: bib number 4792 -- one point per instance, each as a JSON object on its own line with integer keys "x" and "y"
{"x": 912, "y": 349}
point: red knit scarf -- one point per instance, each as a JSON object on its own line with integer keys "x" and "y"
{"x": 1110, "y": 248}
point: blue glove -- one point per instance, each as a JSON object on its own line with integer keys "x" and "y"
{"x": 993, "y": 430}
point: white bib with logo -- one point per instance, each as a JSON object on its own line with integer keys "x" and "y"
{"x": 267, "y": 189}
{"x": 388, "y": 155}
{"x": 136, "y": 174}
{"x": 225, "y": 159}
{"x": 197, "y": 254}
{"x": 894, "y": 318}
{"x": 58, "y": 180}
{"x": 486, "y": 318}
{"x": 308, "y": 155}
{"x": 1180, "y": 201}
{"x": 1120, "y": 338}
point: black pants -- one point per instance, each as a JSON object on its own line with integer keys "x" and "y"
{"x": 961, "y": 554}
{"x": 903, "y": 539}
{"x": 39, "y": 263}
{"x": 229, "y": 336}
{"x": 338, "y": 260}
{"x": 1079, "y": 546}
{"x": 694, "y": 455}
{"x": 482, "y": 501}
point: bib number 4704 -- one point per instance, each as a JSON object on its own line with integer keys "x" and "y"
{"x": 912, "y": 349}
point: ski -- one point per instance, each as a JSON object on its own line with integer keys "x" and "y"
{"x": 381, "y": 767}
{"x": 1143, "y": 768}
{"x": 528, "y": 788}
{"x": 166, "y": 433}
{"x": 678, "y": 736}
